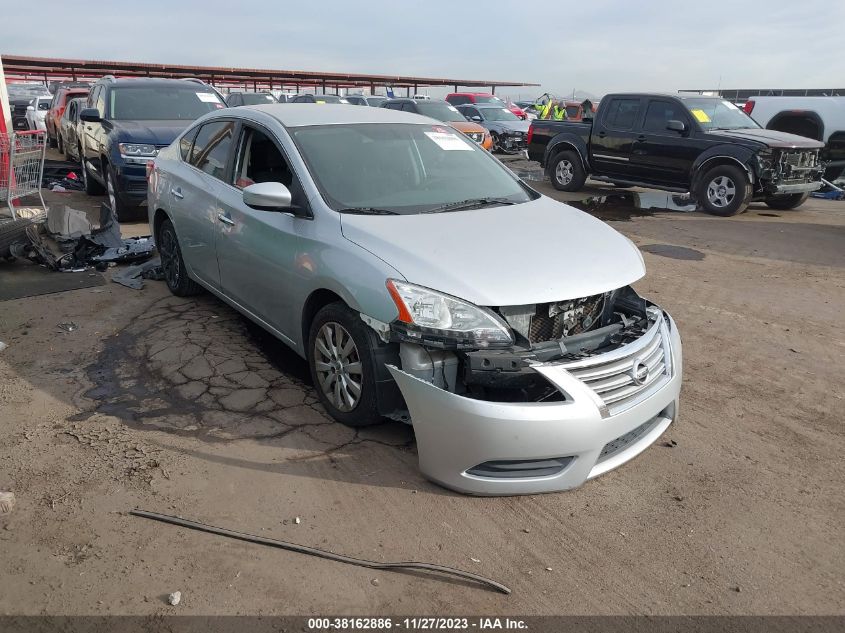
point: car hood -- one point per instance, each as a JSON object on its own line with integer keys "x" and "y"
{"x": 771, "y": 138}
{"x": 152, "y": 132}
{"x": 515, "y": 126}
{"x": 467, "y": 127}
{"x": 535, "y": 252}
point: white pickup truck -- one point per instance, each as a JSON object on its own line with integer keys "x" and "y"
{"x": 819, "y": 118}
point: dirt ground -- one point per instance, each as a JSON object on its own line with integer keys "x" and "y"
{"x": 181, "y": 406}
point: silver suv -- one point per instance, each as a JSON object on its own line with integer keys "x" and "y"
{"x": 424, "y": 282}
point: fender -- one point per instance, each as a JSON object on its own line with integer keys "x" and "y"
{"x": 574, "y": 141}
{"x": 738, "y": 154}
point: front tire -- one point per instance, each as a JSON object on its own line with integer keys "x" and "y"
{"x": 172, "y": 264}
{"x": 62, "y": 149}
{"x": 566, "y": 171}
{"x": 343, "y": 367}
{"x": 122, "y": 211}
{"x": 92, "y": 187}
{"x": 724, "y": 191}
{"x": 789, "y": 201}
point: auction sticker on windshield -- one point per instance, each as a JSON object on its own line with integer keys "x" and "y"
{"x": 700, "y": 116}
{"x": 448, "y": 142}
{"x": 207, "y": 97}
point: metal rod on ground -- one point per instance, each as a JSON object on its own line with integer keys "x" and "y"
{"x": 831, "y": 185}
{"x": 304, "y": 549}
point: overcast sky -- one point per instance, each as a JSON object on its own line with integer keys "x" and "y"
{"x": 598, "y": 47}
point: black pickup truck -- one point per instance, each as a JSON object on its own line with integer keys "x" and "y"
{"x": 703, "y": 145}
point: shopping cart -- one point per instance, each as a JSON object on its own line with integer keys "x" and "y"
{"x": 21, "y": 167}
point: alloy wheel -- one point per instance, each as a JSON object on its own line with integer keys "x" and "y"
{"x": 338, "y": 366}
{"x": 112, "y": 196}
{"x": 564, "y": 172}
{"x": 721, "y": 191}
{"x": 170, "y": 264}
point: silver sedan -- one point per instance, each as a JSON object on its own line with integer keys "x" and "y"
{"x": 423, "y": 282}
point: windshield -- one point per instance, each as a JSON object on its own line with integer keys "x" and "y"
{"x": 718, "y": 114}
{"x": 375, "y": 101}
{"x": 329, "y": 99}
{"x": 488, "y": 99}
{"x": 440, "y": 110}
{"x": 257, "y": 98}
{"x": 161, "y": 103}
{"x": 498, "y": 114}
{"x": 21, "y": 91}
{"x": 401, "y": 167}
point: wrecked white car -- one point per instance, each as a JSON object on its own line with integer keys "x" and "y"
{"x": 424, "y": 282}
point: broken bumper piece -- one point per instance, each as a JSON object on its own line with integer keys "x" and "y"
{"x": 503, "y": 448}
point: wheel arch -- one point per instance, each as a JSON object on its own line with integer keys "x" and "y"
{"x": 564, "y": 143}
{"x": 316, "y": 301}
{"x": 713, "y": 159}
{"x": 158, "y": 219}
{"x": 790, "y": 122}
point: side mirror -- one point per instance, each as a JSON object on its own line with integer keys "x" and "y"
{"x": 91, "y": 115}
{"x": 267, "y": 196}
{"x": 676, "y": 126}
{"x": 30, "y": 108}
{"x": 476, "y": 119}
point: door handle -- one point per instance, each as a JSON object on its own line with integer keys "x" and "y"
{"x": 602, "y": 134}
{"x": 225, "y": 219}
{"x": 641, "y": 138}
{"x": 177, "y": 193}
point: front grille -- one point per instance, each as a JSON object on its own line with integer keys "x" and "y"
{"x": 621, "y": 376}
{"x": 552, "y": 321}
{"x": 799, "y": 158}
{"x": 519, "y": 469}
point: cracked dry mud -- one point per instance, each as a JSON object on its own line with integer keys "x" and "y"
{"x": 196, "y": 367}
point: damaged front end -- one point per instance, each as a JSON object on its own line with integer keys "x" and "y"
{"x": 787, "y": 170}
{"x": 578, "y": 387}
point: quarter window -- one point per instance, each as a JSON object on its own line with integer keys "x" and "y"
{"x": 186, "y": 142}
{"x": 622, "y": 113}
{"x": 211, "y": 148}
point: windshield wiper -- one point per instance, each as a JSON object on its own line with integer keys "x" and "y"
{"x": 367, "y": 211}
{"x": 467, "y": 204}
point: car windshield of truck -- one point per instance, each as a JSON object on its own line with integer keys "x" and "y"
{"x": 489, "y": 99}
{"x": 161, "y": 103}
{"x": 498, "y": 114}
{"x": 441, "y": 111}
{"x": 718, "y": 114}
{"x": 403, "y": 168}
{"x": 257, "y": 98}
{"x": 375, "y": 102}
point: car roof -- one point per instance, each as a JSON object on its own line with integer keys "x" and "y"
{"x": 153, "y": 82}
{"x": 301, "y": 114}
{"x": 483, "y": 106}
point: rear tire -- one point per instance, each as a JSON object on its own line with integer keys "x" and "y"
{"x": 789, "y": 201}
{"x": 566, "y": 171}
{"x": 343, "y": 366}
{"x": 172, "y": 264}
{"x": 724, "y": 191}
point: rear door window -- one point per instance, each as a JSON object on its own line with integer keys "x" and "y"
{"x": 622, "y": 114}
{"x": 212, "y": 147}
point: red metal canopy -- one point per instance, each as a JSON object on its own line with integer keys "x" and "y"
{"x": 22, "y": 68}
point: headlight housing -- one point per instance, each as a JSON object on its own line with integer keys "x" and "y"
{"x": 436, "y": 319}
{"x": 137, "y": 149}
{"x": 764, "y": 160}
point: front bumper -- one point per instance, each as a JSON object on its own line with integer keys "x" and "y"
{"x": 798, "y": 187}
{"x": 533, "y": 447}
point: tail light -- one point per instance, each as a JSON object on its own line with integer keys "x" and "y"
{"x": 149, "y": 168}
{"x": 748, "y": 108}
{"x": 530, "y": 133}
